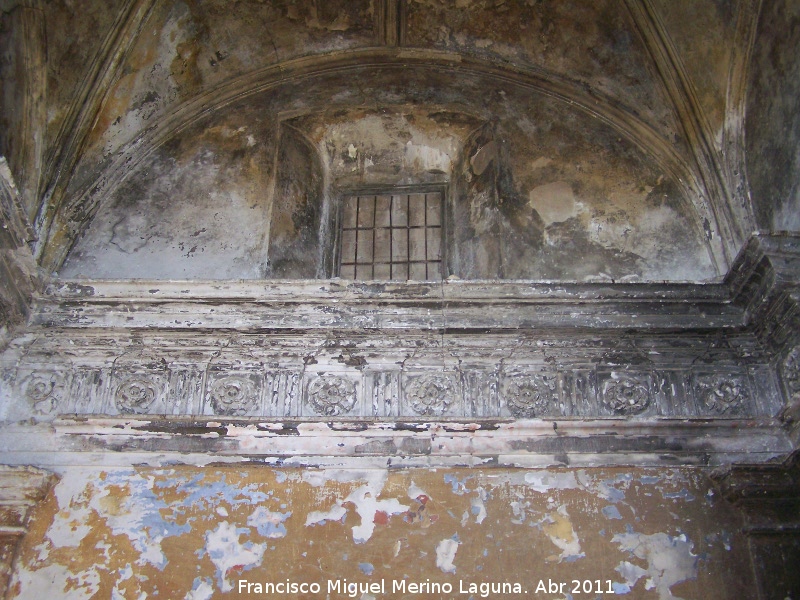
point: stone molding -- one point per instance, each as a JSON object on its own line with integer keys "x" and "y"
{"x": 688, "y": 371}
{"x": 402, "y": 443}
{"x": 21, "y": 488}
{"x": 363, "y": 376}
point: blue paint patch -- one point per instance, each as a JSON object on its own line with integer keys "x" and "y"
{"x": 620, "y": 588}
{"x": 614, "y": 495}
{"x": 366, "y": 568}
{"x": 198, "y": 581}
{"x": 459, "y": 487}
{"x": 682, "y": 495}
{"x": 272, "y": 529}
{"x": 611, "y": 512}
{"x": 649, "y": 480}
{"x": 574, "y": 557}
{"x": 209, "y": 494}
{"x": 150, "y": 529}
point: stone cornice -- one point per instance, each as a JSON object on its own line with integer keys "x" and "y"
{"x": 456, "y": 372}
{"x": 315, "y": 304}
{"x": 351, "y": 443}
{"x": 757, "y": 295}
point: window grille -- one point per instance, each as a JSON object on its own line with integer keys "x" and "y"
{"x": 392, "y": 237}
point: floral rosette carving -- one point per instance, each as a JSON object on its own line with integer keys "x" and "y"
{"x": 721, "y": 394}
{"x": 430, "y": 395}
{"x": 331, "y": 396}
{"x": 135, "y": 395}
{"x": 529, "y": 396}
{"x": 233, "y": 396}
{"x": 626, "y": 395}
{"x": 41, "y": 390}
{"x": 791, "y": 373}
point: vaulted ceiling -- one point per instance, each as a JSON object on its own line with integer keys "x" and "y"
{"x": 651, "y": 135}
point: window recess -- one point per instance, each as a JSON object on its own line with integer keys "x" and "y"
{"x": 392, "y": 236}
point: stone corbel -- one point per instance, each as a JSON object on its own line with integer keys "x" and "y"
{"x": 21, "y": 489}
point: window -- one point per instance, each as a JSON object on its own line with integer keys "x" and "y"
{"x": 392, "y": 236}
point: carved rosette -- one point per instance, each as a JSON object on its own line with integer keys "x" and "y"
{"x": 331, "y": 395}
{"x": 430, "y": 395}
{"x": 43, "y": 392}
{"x": 626, "y": 394}
{"x": 233, "y": 396}
{"x": 791, "y": 374}
{"x": 527, "y": 396}
{"x": 721, "y": 394}
{"x": 136, "y": 394}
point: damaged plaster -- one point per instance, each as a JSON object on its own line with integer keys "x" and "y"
{"x": 186, "y": 532}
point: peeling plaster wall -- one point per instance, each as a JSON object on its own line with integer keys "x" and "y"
{"x": 392, "y": 145}
{"x": 294, "y": 235}
{"x": 570, "y": 205}
{"x": 592, "y": 42}
{"x": 74, "y": 35}
{"x": 773, "y": 118}
{"x": 607, "y": 211}
{"x": 197, "y": 208}
{"x": 194, "y": 533}
{"x": 191, "y": 46}
{"x": 704, "y": 36}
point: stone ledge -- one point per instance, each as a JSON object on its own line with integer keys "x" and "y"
{"x": 522, "y": 443}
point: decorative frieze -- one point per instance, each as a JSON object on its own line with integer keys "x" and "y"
{"x": 722, "y": 394}
{"x": 44, "y": 390}
{"x": 387, "y": 377}
{"x": 331, "y": 395}
{"x": 430, "y": 395}
{"x": 530, "y": 396}
{"x": 233, "y": 395}
{"x": 626, "y": 394}
{"x": 136, "y": 394}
